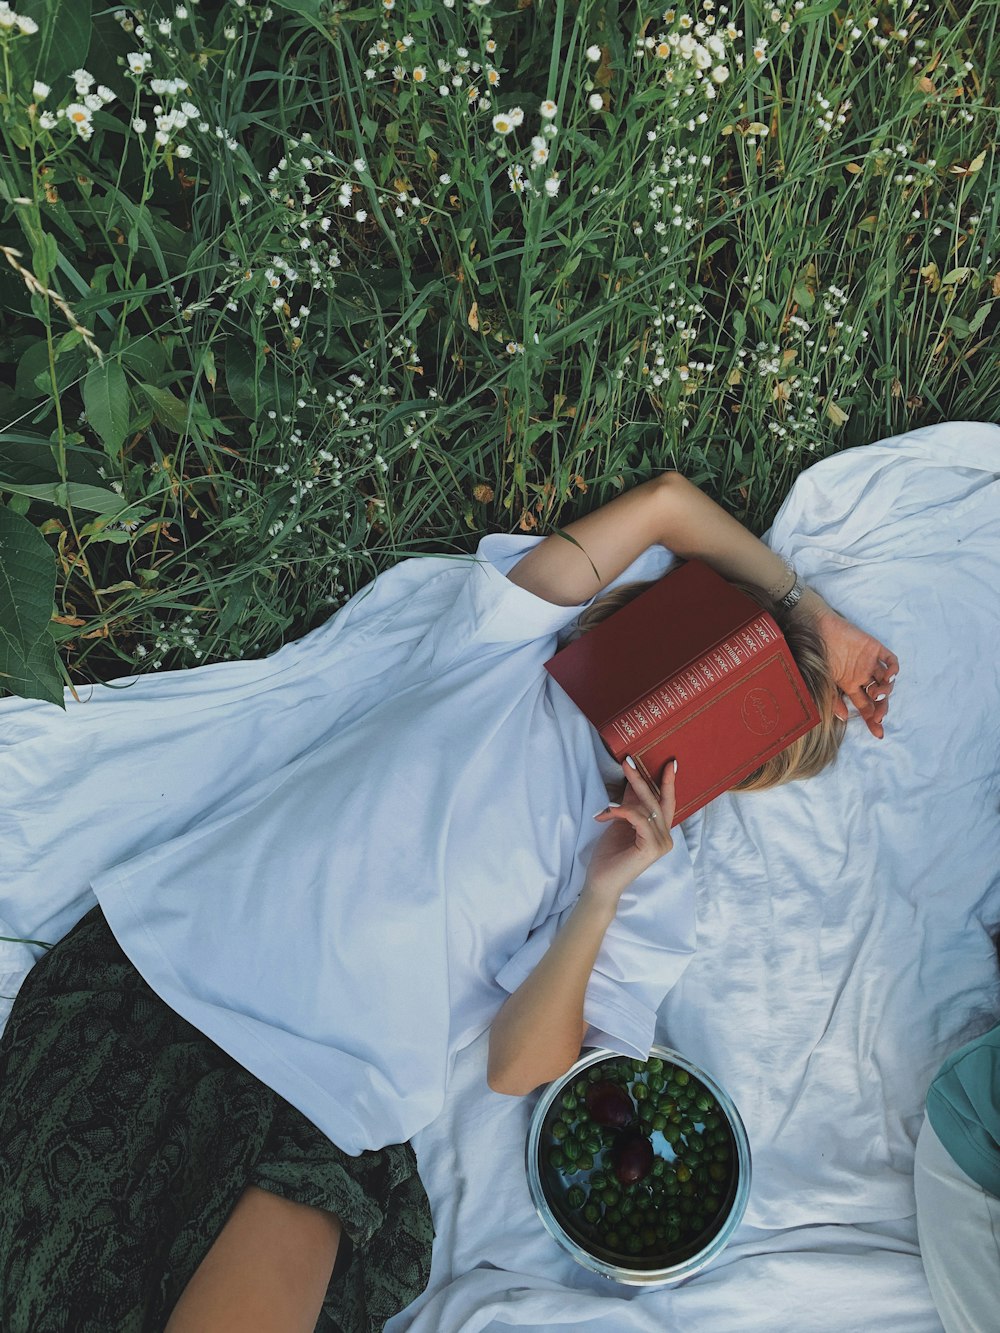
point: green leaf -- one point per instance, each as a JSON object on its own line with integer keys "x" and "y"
{"x": 44, "y": 257}
{"x": 241, "y": 377}
{"x": 63, "y": 39}
{"x": 818, "y": 10}
{"x": 307, "y": 9}
{"x": 28, "y": 665}
{"x": 167, "y": 407}
{"x": 979, "y": 318}
{"x": 957, "y": 275}
{"x": 95, "y": 499}
{"x": 145, "y": 357}
{"x": 105, "y": 398}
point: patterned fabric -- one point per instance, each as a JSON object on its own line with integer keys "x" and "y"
{"x": 126, "y": 1138}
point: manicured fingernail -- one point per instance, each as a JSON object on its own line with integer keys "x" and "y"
{"x": 891, "y": 679}
{"x": 612, "y": 806}
{"x": 675, "y": 765}
{"x": 630, "y": 761}
{"x": 879, "y": 698}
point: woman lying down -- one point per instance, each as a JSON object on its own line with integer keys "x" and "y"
{"x": 207, "y": 1086}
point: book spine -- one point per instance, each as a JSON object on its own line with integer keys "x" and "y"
{"x": 696, "y": 679}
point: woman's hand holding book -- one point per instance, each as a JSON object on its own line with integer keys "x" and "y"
{"x": 639, "y": 834}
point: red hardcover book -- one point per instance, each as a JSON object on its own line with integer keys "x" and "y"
{"x": 695, "y": 670}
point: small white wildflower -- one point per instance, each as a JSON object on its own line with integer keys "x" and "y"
{"x": 40, "y": 91}
{"x": 183, "y": 150}
{"x": 139, "y": 125}
{"x": 596, "y": 102}
{"x": 593, "y": 53}
{"x": 361, "y": 215}
{"x": 548, "y": 110}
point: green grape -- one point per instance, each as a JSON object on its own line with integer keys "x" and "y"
{"x": 717, "y": 1171}
{"x": 569, "y": 1102}
{"x": 559, "y": 1130}
{"x": 571, "y": 1150}
{"x": 598, "y": 1182}
{"x": 575, "y": 1197}
{"x": 683, "y": 1077}
{"x": 612, "y": 1240}
{"x": 659, "y": 1121}
{"x": 704, "y": 1102}
{"x": 633, "y": 1244}
{"x": 654, "y": 1064}
{"x": 557, "y": 1159}
{"x": 585, "y": 1162}
{"x": 592, "y": 1212}
{"x": 682, "y": 1171}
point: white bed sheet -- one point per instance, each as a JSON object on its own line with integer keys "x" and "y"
{"x": 841, "y": 949}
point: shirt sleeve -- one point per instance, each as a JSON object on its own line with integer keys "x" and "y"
{"x": 645, "y": 950}
{"x": 492, "y": 613}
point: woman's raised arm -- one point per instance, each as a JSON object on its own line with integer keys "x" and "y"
{"x": 672, "y": 512}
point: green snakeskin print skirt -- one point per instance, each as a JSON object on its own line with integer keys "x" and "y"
{"x": 126, "y": 1138}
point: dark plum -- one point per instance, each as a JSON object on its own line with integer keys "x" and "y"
{"x": 632, "y": 1158}
{"x": 610, "y": 1105}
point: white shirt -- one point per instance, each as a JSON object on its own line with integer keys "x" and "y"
{"x": 345, "y": 924}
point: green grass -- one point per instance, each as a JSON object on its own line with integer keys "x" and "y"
{"x": 734, "y": 286}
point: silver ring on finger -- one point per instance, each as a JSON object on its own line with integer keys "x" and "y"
{"x": 654, "y": 815}
{"x": 866, "y": 688}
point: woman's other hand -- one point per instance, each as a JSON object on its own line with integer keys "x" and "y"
{"x": 863, "y": 668}
{"x": 639, "y": 834}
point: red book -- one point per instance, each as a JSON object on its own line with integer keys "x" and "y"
{"x": 695, "y": 670}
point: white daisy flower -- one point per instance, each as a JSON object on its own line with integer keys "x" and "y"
{"x": 40, "y": 91}
{"x": 548, "y": 109}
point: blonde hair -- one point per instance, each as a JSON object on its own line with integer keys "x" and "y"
{"x": 811, "y": 753}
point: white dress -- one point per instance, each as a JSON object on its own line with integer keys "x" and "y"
{"x": 345, "y": 923}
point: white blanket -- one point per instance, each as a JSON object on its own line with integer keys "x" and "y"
{"x": 841, "y": 943}
{"x": 841, "y": 952}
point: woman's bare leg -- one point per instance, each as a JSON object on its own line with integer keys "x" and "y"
{"x": 267, "y": 1271}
